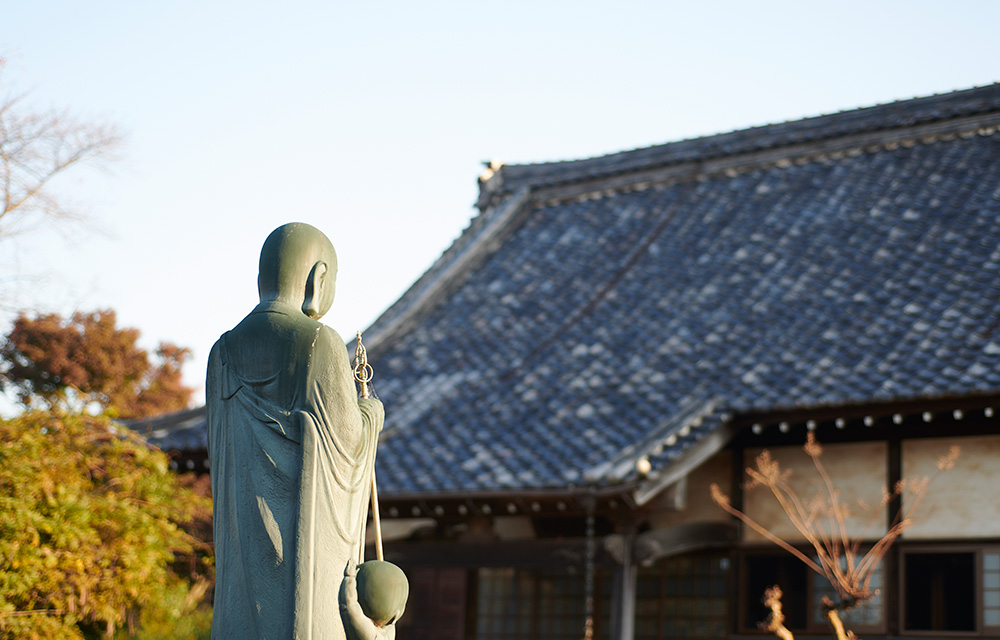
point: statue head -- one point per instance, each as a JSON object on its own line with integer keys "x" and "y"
{"x": 298, "y": 266}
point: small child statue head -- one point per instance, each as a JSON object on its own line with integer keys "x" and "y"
{"x": 382, "y": 591}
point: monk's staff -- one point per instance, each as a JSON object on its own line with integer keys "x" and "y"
{"x": 363, "y": 375}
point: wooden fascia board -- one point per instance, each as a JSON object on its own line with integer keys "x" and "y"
{"x": 499, "y": 553}
{"x": 462, "y": 504}
{"x": 859, "y": 411}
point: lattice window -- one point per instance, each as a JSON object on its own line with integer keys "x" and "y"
{"x": 682, "y": 598}
{"x": 536, "y": 604}
{"x": 991, "y": 589}
{"x": 867, "y": 616}
{"x": 802, "y": 594}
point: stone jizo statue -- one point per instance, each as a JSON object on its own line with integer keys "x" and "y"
{"x": 292, "y": 450}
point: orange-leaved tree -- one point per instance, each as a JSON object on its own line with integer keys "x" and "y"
{"x": 87, "y": 362}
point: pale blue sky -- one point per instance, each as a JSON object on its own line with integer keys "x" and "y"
{"x": 370, "y": 121}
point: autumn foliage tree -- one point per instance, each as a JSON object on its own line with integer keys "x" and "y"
{"x": 88, "y": 362}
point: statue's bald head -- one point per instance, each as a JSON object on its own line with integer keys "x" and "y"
{"x": 298, "y": 266}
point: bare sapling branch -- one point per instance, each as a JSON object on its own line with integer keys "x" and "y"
{"x": 776, "y": 620}
{"x": 824, "y": 526}
{"x": 37, "y": 147}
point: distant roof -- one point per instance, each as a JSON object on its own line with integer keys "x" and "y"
{"x": 181, "y": 431}
{"x": 601, "y": 310}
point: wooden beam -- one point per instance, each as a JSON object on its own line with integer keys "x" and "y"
{"x": 506, "y": 553}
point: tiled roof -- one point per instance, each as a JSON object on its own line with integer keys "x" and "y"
{"x": 568, "y": 333}
{"x": 865, "y": 275}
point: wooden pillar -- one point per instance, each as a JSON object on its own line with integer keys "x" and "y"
{"x": 890, "y": 563}
{"x": 623, "y": 615}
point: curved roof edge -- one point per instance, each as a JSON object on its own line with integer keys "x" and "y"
{"x": 879, "y": 120}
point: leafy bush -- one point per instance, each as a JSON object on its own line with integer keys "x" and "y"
{"x": 91, "y": 524}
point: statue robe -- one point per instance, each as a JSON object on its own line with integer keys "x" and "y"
{"x": 291, "y": 450}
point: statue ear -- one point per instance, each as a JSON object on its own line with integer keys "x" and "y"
{"x": 314, "y": 290}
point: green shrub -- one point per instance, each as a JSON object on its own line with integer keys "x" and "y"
{"x": 92, "y": 522}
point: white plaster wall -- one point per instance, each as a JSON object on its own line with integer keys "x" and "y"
{"x": 699, "y": 506}
{"x": 962, "y": 502}
{"x": 858, "y": 472}
{"x": 514, "y": 528}
{"x": 397, "y": 528}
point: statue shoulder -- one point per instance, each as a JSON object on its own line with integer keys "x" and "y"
{"x": 330, "y": 334}
{"x": 216, "y": 353}
{"x": 328, "y": 342}
{"x": 215, "y": 359}
{"x": 327, "y": 337}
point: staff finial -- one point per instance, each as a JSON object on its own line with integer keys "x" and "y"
{"x": 362, "y": 370}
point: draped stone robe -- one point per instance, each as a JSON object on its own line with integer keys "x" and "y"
{"x": 291, "y": 450}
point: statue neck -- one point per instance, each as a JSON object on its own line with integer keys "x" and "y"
{"x": 279, "y": 305}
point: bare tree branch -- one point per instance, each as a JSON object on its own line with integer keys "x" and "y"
{"x": 776, "y": 621}
{"x": 38, "y": 147}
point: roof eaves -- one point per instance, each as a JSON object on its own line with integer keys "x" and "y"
{"x": 165, "y": 423}
{"x": 678, "y": 425}
{"x": 708, "y": 445}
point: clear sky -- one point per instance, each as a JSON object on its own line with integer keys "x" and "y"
{"x": 371, "y": 121}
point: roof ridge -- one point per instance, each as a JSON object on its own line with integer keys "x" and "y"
{"x": 765, "y": 125}
{"x": 887, "y": 116}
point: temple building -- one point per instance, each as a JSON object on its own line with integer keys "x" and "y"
{"x": 611, "y": 336}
